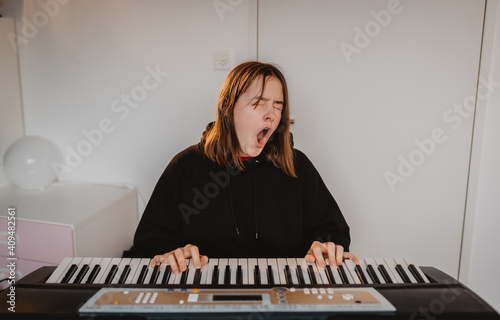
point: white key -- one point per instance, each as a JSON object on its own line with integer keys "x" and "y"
{"x": 410, "y": 261}
{"x": 350, "y": 278}
{"x": 233, "y": 266}
{"x": 124, "y": 262}
{"x": 134, "y": 265}
{"x": 381, "y": 262}
{"x": 59, "y": 271}
{"x": 274, "y": 267}
{"x": 191, "y": 272}
{"x": 362, "y": 264}
{"x": 211, "y": 263}
{"x": 205, "y": 273}
{"x": 391, "y": 266}
{"x": 223, "y": 262}
{"x": 84, "y": 261}
{"x": 303, "y": 265}
{"x": 371, "y": 262}
{"x": 161, "y": 270}
{"x": 403, "y": 264}
{"x": 243, "y": 262}
{"x": 292, "y": 263}
{"x": 336, "y": 275}
{"x": 322, "y": 272}
{"x": 101, "y": 275}
{"x": 262, "y": 262}
{"x": 114, "y": 261}
{"x": 143, "y": 262}
{"x": 350, "y": 266}
{"x": 252, "y": 262}
{"x": 94, "y": 262}
{"x": 281, "y": 269}
{"x": 319, "y": 279}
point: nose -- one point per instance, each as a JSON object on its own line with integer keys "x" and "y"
{"x": 269, "y": 114}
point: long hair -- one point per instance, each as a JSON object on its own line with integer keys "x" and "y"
{"x": 220, "y": 142}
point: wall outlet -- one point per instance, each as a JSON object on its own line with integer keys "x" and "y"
{"x": 223, "y": 59}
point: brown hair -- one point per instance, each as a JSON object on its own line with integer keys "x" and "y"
{"x": 220, "y": 142}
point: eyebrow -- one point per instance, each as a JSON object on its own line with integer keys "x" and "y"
{"x": 267, "y": 99}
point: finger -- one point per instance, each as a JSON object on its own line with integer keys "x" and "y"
{"x": 203, "y": 260}
{"x": 156, "y": 260}
{"x": 339, "y": 254}
{"x": 181, "y": 261}
{"x": 195, "y": 256}
{"x": 318, "y": 255}
{"x": 331, "y": 253}
{"x": 173, "y": 263}
{"x": 349, "y": 255}
{"x": 310, "y": 257}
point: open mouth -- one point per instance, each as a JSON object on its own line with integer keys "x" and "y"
{"x": 262, "y": 136}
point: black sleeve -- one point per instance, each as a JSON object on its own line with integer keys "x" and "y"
{"x": 323, "y": 220}
{"x": 158, "y": 231}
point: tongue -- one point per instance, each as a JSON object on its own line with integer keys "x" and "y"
{"x": 261, "y": 135}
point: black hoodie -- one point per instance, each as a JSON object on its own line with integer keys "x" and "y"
{"x": 257, "y": 212}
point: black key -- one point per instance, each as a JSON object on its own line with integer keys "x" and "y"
{"x": 256, "y": 275}
{"x": 215, "y": 276}
{"x": 270, "y": 275}
{"x": 343, "y": 275}
{"x": 288, "y": 275}
{"x": 155, "y": 274}
{"x": 300, "y": 275}
{"x": 403, "y": 274}
{"x": 184, "y": 276}
{"x": 329, "y": 274}
{"x": 124, "y": 275}
{"x": 227, "y": 275}
{"x": 71, "y": 271}
{"x": 361, "y": 274}
{"x": 111, "y": 274}
{"x": 415, "y": 273}
{"x": 384, "y": 274}
{"x": 239, "y": 275}
{"x": 372, "y": 274}
{"x": 166, "y": 275}
{"x": 142, "y": 275}
{"x": 197, "y": 276}
{"x": 95, "y": 271}
{"x": 82, "y": 273}
{"x": 310, "y": 271}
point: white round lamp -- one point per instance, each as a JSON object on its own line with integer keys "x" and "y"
{"x": 28, "y": 163}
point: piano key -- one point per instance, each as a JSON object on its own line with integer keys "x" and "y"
{"x": 108, "y": 270}
{"x": 418, "y": 274}
{"x": 141, "y": 269}
{"x": 329, "y": 274}
{"x": 95, "y": 269}
{"x": 223, "y": 262}
{"x": 293, "y": 267}
{"x": 404, "y": 271}
{"x": 256, "y": 276}
{"x": 250, "y": 269}
{"x": 154, "y": 275}
{"x": 281, "y": 270}
{"x": 210, "y": 272}
{"x": 322, "y": 272}
{"x": 227, "y": 275}
{"x": 343, "y": 275}
{"x": 392, "y": 267}
{"x": 69, "y": 274}
{"x": 233, "y": 266}
{"x": 273, "y": 263}
{"x": 351, "y": 268}
{"x": 204, "y": 273}
{"x": 262, "y": 262}
{"x": 244, "y": 270}
{"x": 363, "y": 266}
{"x": 191, "y": 273}
{"x": 165, "y": 273}
{"x": 120, "y": 276}
{"x": 80, "y": 274}
{"x": 336, "y": 275}
{"x": 314, "y": 273}
{"x": 373, "y": 271}
{"x": 303, "y": 268}
{"x": 385, "y": 271}
{"x": 59, "y": 271}
{"x": 134, "y": 264}
{"x": 101, "y": 275}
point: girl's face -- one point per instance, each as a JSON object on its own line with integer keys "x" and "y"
{"x": 257, "y": 114}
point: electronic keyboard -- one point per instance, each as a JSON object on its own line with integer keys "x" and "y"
{"x": 284, "y": 288}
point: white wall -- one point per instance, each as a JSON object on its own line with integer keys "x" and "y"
{"x": 355, "y": 114}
